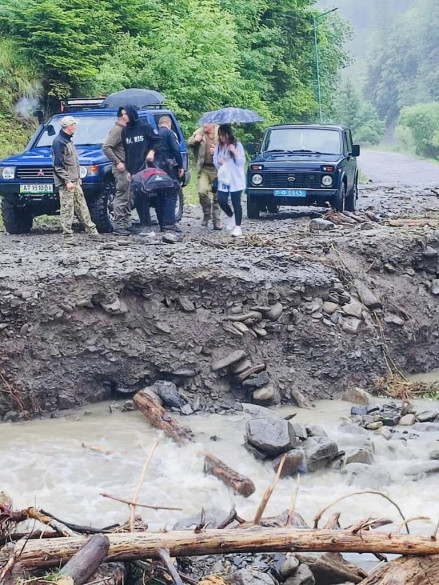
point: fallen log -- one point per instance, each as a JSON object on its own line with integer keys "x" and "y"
{"x": 332, "y": 568}
{"x": 85, "y": 562}
{"x": 127, "y": 546}
{"x": 240, "y": 484}
{"x": 161, "y": 419}
{"x": 407, "y": 570}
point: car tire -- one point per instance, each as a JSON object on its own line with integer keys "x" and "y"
{"x": 100, "y": 208}
{"x": 253, "y": 208}
{"x": 17, "y": 220}
{"x": 351, "y": 199}
{"x": 272, "y": 206}
{"x": 339, "y": 200}
{"x": 179, "y": 205}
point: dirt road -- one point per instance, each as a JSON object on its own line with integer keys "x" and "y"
{"x": 393, "y": 168}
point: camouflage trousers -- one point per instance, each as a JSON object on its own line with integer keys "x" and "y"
{"x": 208, "y": 200}
{"x": 71, "y": 203}
{"x": 122, "y": 199}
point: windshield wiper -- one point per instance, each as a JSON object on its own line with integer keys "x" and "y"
{"x": 307, "y": 151}
{"x": 281, "y": 150}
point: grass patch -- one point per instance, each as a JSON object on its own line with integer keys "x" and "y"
{"x": 190, "y": 191}
{"x": 396, "y": 386}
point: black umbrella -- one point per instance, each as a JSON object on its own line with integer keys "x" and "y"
{"x": 133, "y": 97}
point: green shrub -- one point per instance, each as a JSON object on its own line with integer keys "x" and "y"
{"x": 419, "y": 126}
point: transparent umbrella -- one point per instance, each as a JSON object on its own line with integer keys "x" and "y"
{"x": 230, "y": 116}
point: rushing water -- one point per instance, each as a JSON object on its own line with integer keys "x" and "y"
{"x": 45, "y": 465}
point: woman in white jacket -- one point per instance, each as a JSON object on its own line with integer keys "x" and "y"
{"x": 229, "y": 159}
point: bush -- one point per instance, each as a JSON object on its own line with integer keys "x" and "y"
{"x": 419, "y": 126}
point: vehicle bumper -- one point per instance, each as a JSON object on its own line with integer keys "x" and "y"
{"x": 12, "y": 193}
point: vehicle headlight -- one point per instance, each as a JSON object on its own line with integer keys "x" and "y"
{"x": 8, "y": 173}
{"x": 257, "y": 179}
{"x": 327, "y": 180}
{"x": 83, "y": 172}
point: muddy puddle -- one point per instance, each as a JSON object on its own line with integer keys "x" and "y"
{"x": 44, "y": 464}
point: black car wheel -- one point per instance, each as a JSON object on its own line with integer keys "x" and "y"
{"x": 101, "y": 209}
{"x": 179, "y": 205}
{"x": 17, "y": 220}
{"x": 351, "y": 199}
{"x": 253, "y": 208}
{"x": 338, "y": 201}
{"x": 272, "y": 206}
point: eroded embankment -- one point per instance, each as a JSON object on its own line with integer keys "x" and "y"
{"x": 330, "y": 309}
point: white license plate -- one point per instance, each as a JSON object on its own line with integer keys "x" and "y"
{"x": 289, "y": 193}
{"x": 36, "y": 188}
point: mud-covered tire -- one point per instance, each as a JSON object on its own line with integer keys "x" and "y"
{"x": 100, "y": 209}
{"x": 272, "y": 206}
{"x": 253, "y": 208}
{"x": 16, "y": 219}
{"x": 339, "y": 200}
{"x": 351, "y": 199}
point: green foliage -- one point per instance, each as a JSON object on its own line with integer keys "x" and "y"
{"x": 419, "y": 128}
{"x": 360, "y": 116}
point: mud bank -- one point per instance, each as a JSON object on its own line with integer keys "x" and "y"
{"x": 333, "y": 308}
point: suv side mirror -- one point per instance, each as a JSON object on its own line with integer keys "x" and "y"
{"x": 355, "y": 150}
{"x": 250, "y": 148}
{"x": 50, "y": 130}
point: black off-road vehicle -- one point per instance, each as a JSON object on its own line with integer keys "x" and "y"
{"x": 303, "y": 165}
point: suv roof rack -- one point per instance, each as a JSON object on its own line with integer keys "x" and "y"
{"x": 75, "y": 104}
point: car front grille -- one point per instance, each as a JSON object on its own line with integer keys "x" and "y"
{"x": 286, "y": 181}
{"x": 34, "y": 173}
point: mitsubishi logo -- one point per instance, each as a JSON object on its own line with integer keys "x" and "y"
{"x": 40, "y": 173}
{"x": 292, "y": 178}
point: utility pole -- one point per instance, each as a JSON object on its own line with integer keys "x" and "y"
{"x": 319, "y": 89}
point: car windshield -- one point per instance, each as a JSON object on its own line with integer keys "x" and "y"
{"x": 90, "y": 130}
{"x": 302, "y": 140}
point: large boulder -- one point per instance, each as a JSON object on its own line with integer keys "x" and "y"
{"x": 319, "y": 452}
{"x": 366, "y": 476}
{"x": 271, "y": 436}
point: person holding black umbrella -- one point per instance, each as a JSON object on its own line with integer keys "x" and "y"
{"x": 229, "y": 159}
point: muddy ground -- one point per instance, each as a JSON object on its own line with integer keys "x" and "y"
{"x": 78, "y": 324}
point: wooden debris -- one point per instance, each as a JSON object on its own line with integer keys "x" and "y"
{"x": 407, "y": 570}
{"x": 127, "y": 546}
{"x": 412, "y": 222}
{"x": 85, "y": 562}
{"x": 332, "y": 568}
{"x": 161, "y": 419}
{"x": 239, "y": 483}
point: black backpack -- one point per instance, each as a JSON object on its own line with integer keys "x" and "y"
{"x": 151, "y": 179}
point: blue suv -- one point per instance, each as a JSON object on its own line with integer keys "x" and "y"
{"x": 26, "y": 179}
{"x": 301, "y": 164}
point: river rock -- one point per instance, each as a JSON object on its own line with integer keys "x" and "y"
{"x": 383, "y": 432}
{"x": 168, "y": 393}
{"x": 351, "y": 326}
{"x": 266, "y": 395}
{"x": 319, "y": 452}
{"x": 353, "y": 309}
{"x": 394, "y": 319}
{"x": 427, "y": 416}
{"x": 329, "y": 307}
{"x": 314, "y": 430}
{"x": 366, "y": 476}
{"x": 289, "y": 567}
{"x": 408, "y": 420}
{"x": 257, "y": 380}
{"x": 368, "y": 298}
{"x": 356, "y": 395}
{"x": 299, "y": 398}
{"x": 435, "y": 287}
{"x": 229, "y": 360}
{"x": 359, "y": 456}
{"x": 294, "y": 463}
{"x": 271, "y": 436}
{"x": 186, "y": 304}
{"x": 299, "y": 430}
{"x": 303, "y": 576}
{"x": 320, "y": 225}
{"x": 241, "y": 366}
{"x": 257, "y": 411}
{"x": 250, "y": 577}
{"x": 275, "y": 312}
{"x": 430, "y": 252}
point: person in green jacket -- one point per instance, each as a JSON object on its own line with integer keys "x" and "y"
{"x": 203, "y": 141}
{"x": 113, "y": 149}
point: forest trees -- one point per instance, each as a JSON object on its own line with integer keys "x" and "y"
{"x": 202, "y": 54}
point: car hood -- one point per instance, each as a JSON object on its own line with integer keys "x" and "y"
{"x": 298, "y": 159}
{"x": 43, "y": 156}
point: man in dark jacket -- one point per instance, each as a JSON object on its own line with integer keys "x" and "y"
{"x": 141, "y": 142}
{"x": 170, "y": 160}
{"x": 68, "y": 180}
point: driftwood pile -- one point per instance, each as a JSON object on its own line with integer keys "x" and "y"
{"x": 77, "y": 555}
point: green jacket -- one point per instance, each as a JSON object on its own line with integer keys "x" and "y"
{"x": 200, "y": 147}
{"x": 113, "y": 145}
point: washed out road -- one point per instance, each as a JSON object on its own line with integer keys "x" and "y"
{"x": 394, "y": 168}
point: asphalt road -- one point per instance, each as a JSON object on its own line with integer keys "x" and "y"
{"x": 392, "y": 168}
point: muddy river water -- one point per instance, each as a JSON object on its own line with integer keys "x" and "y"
{"x": 44, "y": 464}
